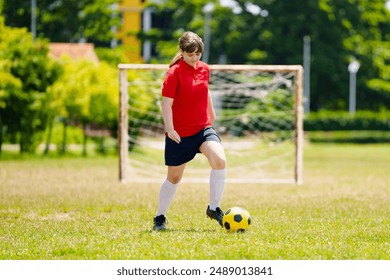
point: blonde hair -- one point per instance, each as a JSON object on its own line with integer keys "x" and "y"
{"x": 188, "y": 42}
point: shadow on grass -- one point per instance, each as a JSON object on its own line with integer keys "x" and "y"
{"x": 190, "y": 230}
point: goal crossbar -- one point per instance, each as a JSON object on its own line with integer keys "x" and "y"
{"x": 219, "y": 67}
{"x": 123, "y": 126}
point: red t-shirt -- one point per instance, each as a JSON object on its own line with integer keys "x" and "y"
{"x": 188, "y": 86}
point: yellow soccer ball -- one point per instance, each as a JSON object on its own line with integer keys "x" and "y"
{"x": 236, "y": 219}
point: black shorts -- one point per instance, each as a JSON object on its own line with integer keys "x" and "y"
{"x": 177, "y": 154}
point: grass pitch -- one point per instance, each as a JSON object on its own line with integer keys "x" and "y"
{"x": 74, "y": 208}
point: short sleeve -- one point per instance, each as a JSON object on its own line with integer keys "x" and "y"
{"x": 170, "y": 84}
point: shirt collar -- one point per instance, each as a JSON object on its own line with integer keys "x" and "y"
{"x": 185, "y": 64}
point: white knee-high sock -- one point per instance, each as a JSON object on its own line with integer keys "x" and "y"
{"x": 165, "y": 197}
{"x": 217, "y": 186}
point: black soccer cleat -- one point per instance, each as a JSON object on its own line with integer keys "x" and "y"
{"x": 160, "y": 223}
{"x": 216, "y": 214}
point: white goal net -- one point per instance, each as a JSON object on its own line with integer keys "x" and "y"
{"x": 259, "y": 118}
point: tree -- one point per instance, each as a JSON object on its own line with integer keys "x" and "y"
{"x": 8, "y": 84}
{"x": 367, "y": 39}
{"x": 88, "y": 96}
{"x": 231, "y": 39}
{"x": 28, "y": 72}
{"x": 340, "y": 31}
{"x": 287, "y": 24}
{"x": 66, "y": 21}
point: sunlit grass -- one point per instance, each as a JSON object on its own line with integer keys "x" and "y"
{"x": 75, "y": 208}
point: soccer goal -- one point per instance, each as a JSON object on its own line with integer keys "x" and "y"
{"x": 259, "y": 118}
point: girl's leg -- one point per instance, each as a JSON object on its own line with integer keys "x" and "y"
{"x": 168, "y": 188}
{"x": 216, "y": 156}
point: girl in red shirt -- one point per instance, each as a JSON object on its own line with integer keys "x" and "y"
{"x": 188, "y": 115}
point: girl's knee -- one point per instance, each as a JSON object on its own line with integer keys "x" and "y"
{"x": 175, "y": 174}
{"x": 218, "y": 163}
{"x": 174, "y": 179}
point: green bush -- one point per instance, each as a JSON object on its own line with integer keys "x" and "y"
{"x": 341, "y": 121}
{"x": 352, "y": 136}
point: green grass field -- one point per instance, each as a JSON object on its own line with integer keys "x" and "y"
{"x": 74, "y": 208}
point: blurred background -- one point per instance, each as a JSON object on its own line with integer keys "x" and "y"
{"x": 58, "y": 61}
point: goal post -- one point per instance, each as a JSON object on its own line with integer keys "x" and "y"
{"x": 259, "y": 118}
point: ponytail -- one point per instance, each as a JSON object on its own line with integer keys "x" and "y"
{"x": 175, "y": 59}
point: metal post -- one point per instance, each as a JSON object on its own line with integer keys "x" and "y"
{"x": 207, "y": 9}
{"x": 306, "y": 67}
{"x": 114, "y": 41}
{"x": 33, "y": 19}
{"x": 352, "y": 93}
{"x": 353, "y": 68}
{"x": 147, "y": 25}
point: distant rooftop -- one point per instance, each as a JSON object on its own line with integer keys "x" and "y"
{"x": 74, "y": 50}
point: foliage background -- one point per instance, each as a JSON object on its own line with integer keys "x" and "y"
{"x": 37, "y": 93}
{"x": 339, "y": 30}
